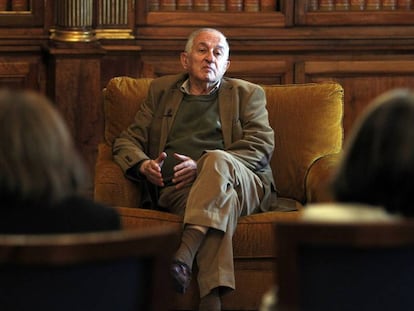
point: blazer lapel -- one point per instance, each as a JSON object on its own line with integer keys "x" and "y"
{"x": 173, "y": 99}
{"x": 226, "y": 102}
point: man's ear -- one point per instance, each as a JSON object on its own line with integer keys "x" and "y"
{"x": 228, "y": 64}
{"x": 184, "y": 60}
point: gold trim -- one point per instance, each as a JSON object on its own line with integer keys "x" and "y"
{"x": 73, "y": 35}
{"x": 25, "y": 12}
{"x": 114, "y": 34}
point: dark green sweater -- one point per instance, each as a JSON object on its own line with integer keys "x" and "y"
{"x": 196, "y": 128}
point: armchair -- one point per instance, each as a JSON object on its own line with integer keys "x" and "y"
{"x": 307, "y": 120}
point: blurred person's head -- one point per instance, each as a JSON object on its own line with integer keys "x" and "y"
{"x": 378, "y": 163}
{"x": 38, "y": 160}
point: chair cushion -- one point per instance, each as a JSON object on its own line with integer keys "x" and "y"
{"x": 122, "y": 98}
{"x": 307, "y": 121}
{"x": 256, "y": 227}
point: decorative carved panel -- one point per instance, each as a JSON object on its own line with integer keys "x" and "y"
{"x": 18, "y": 74}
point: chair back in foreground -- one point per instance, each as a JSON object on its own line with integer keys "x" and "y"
{"x": 106, "y": 271}
{"x": 333, "y": 266}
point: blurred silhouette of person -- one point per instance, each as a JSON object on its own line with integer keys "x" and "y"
{"x": 373, "y": 182}
{"x": 374, "y": 178}
{"x": 42, "y": 177}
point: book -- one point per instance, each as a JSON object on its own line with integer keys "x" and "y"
{"x": 20, "y": 5}
{"x": 184, "y": 5}
{"x": 3, "y": 5}
{"x": 342, "y": 5}
{"x": 234, "y": 5}
{"x": 326, "y": 5}
{"x": 201, "y": 5}
{"x": 312, "y": 5}
{"x": 251, "y": 5}
{"x": 358, "y": 5}
{"x": 168, "y": 5}
{"x": 404, "y": 4}
{"x": 267, "y": 5}
{"x": 218, "y": 5}
{"x": 389, "y": 4}
{"x": 373, "y": 5}
{"x": 153, "y": 5}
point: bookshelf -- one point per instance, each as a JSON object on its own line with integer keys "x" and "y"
{"x": 354, "y": 12}
{"x": 214, "y": 5}
{"x": 212, "y": 13}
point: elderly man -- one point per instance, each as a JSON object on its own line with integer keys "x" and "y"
{"x": 200, "y": 147}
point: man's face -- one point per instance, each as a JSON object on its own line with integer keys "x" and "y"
{"x": 208, "y": 59}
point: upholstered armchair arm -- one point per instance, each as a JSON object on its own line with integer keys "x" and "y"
{"x": 111, "y": 187}
{"x": 317, "y": 178}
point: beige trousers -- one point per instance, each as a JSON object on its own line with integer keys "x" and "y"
{"x": 223, "y": 190}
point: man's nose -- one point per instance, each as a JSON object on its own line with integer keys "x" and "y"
{"x": 210, "y": 57}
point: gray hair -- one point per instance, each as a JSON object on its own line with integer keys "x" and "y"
{"x": 38, "y": 159}
{"x": 195, "y": 33}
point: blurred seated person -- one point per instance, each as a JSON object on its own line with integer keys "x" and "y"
{"x": 374, "y": 179}
{"x": 42, "y": 177}
{"x": 373, "y": 182}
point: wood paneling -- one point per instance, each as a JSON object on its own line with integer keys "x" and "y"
{"x": 19, "y": 74}
{"x": 76, "y": 89}
{"x": 362, "y": 80}
{"x": 22, "y": 67}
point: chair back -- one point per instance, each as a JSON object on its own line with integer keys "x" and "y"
{"x": 307, "y": 120}
{"x": 105, "y": 271}
{"x": 345, "y": 266}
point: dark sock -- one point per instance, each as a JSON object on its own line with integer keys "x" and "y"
{"x": 211, "y": 302}
{"x": 190, "y": 243}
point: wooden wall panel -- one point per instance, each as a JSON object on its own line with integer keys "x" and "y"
{"x": 76, "y": 90}
{"x": 25, "y": 72}
{"x": 124, "y": 60}
{"x": 362, "y": 80}
{"x": 18, "y": 74}
{"x": 261, "y": 71}
{"x": 257, "y": 71}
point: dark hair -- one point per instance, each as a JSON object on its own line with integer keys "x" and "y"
{"x": 38, "y": 161}
{"x": 378, "y": 163}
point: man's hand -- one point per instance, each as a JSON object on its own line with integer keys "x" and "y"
{"x": 152, "y": 169}
{"x": 185, "y": 172}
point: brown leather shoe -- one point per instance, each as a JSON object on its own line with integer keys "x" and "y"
{"x": 181, "y": 274}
